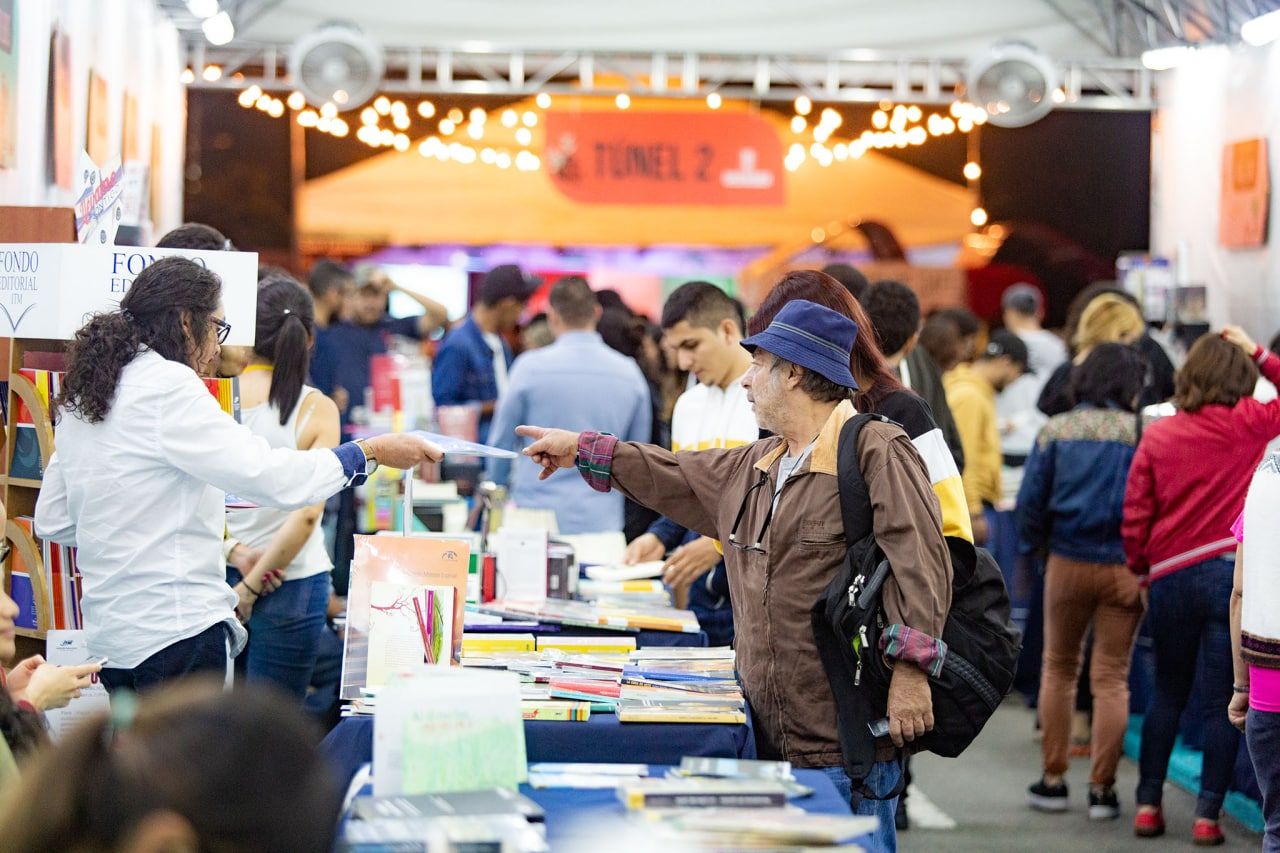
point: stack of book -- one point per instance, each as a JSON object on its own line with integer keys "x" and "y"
{"x": 497, "y": 819}
{"x": 614, "y": 616}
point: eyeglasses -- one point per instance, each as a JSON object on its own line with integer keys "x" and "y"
{"x": 224, "y": 329}
{"x": 757, "y": 546}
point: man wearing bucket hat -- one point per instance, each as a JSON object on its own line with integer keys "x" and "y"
{"x": 775, "y": 506}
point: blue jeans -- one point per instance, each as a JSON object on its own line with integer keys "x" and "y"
{"x": 884, "y": 777}
{"x": 1263, "y": 733}
{"x": 284, "y": 633}
{"x": 203, "y": 654}
{"x": 1188, "y": 615}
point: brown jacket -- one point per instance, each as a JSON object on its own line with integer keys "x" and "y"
{"x": 772, "y": 593}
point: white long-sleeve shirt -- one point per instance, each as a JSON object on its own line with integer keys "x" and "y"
{"x": 142, "y": 495}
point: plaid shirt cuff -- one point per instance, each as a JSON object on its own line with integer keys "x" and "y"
{"x": 903, "y": 643}
{"x": 595, "y": 458}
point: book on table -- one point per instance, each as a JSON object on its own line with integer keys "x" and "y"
{"x": 702, "y": 793}
{"x": 662, "y": 711}
{"x": 484, "y": 803}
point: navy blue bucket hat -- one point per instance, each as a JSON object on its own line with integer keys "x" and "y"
{"x": 812, "y": 336}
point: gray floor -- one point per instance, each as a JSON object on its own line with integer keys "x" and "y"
{"x": 983, "y": 791}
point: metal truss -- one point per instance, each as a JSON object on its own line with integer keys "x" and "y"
{"x": 853, "y": 76}
{"x": 1128, "y": 27}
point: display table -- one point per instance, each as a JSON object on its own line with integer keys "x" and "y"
{"x": 600, "y": 739}
{"x": 567, "y": 809}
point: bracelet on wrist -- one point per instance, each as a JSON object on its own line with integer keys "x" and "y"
{"x": 1236, "y": 688}
{"x": 257, "y": 593}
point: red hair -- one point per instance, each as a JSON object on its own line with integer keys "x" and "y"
{"x": 875, "y": 378}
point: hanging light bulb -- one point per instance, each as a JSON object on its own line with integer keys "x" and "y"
{"x": 369, "y": 115}
{"x": 339, "y": 127}
{"x": 401, "y": 121}
{"x": 529, "y": 119}
{"x": 543, "y": 100}
{"x": 972, "y": 171}
{"x": 456, "y": 116}
{"x": 447, "y": 127}
{"x": 297, "y": 101}
{"x": 212, "y": 73}
{"x": 524, "y": 136}
{"x": 478, "y": 116}
{"x": 978, "y": 216}
{"x": 879, "y": 119}
{"x": 187, "y": 76}
{"x": 308, "y": 118}
{"x": 623, "y": 100}
{"x": 803, "y": 105}
{"x": 475, "y": 131}
{"x": 382, "y": 104}
{"x": 426, "y": 109}
{"x": 510, "y": 118}
{"x": 714, "y": 100}
{"x": 798, "y": 124}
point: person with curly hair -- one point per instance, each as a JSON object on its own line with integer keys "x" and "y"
{"x": 143, "y": 462}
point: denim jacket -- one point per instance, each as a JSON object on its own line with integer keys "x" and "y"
{"x": 1072, "y": 498}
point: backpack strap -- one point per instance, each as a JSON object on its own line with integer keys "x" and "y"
{"x": 855, "y": 500}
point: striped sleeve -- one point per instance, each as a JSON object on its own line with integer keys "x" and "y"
{"x": 913, "y": 415}
{"x": 947, "y": 484}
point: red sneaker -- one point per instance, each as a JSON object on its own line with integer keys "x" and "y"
{"x": 1149, "y": 824}
{"x": 1207, "y": 833}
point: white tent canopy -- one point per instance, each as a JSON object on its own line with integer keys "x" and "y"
{"x": 1065, "y": 29}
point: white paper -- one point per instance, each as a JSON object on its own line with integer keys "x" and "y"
{"x": 640, "y": 571}
{"x": 69, "y": 648}
{"x": 597, "y": 548}
{"x": 522, "y": 563}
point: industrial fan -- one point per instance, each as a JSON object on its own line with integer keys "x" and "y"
{"x": 1013, "y": 82}
{"x": 337, "y": 64}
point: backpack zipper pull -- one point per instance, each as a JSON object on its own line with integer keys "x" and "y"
{"x": 862, "y": 642}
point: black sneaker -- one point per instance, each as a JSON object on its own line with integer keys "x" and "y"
{"x": 1105, "y": 805}
{"x": 1047, "y": 798}
{"x": 900, "y": 820}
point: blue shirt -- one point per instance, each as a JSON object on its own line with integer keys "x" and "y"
{"x": 577, "y": 383}
{"x": 463, "y": 370}
{"x": 342, "y": 354}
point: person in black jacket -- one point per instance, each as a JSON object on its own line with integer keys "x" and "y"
{"x": 894, "y": 312}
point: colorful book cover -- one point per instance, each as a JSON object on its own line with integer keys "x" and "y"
{"x": 26, "y": 462}
{"x": 410, "y": 629}
{"x": 409, "y": 562}
{"x": 21, "y": 586}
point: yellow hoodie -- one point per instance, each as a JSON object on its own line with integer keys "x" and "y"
{"x": 973, "y": 403}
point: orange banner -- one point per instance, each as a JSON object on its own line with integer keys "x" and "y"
{"x": 618, "y": 157}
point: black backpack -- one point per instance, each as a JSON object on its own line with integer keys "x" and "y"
{"x": 982, "y": 642}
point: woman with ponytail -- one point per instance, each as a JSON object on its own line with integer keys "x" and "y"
{"x": 285, "y": 626}
{"x": 144, "y": 458}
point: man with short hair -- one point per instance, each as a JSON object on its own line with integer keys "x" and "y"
{"x": 775, "y": 504}
{"x": 851, "y": 277}
{"x": 473, "y": 360}
{"x": 894, "y": 312}
{"x": 1023, "y": 306}
{"x": 331, "y": 284}
{"x": 340, "y": 368}
{"x": 196, "y": 235}
{"x": 702, "y": 324}
{"x": 576, "y": 381}
{"x": 971, "y": 392}
{"x": 1020, "y": 419}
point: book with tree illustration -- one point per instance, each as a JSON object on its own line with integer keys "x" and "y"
{"x": 404, "y": 608}
{"x": 410, "y": 629}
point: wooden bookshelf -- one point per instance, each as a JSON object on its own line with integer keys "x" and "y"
{"x": 28, "y": 225}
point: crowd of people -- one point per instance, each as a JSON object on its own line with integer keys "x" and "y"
{"x": 710, "y": 437}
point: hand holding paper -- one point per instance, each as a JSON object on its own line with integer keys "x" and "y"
{"x": 404, "y": 450}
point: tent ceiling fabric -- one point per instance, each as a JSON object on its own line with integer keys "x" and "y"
{"x": 918, "y": 27}
{"x": 406, "y": 199}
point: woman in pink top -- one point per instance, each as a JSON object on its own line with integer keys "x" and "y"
{"x": 1255, "y": 640}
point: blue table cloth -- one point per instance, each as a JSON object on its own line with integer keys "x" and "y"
{"x": 601, "y": 739}
{"x": 567, "y": 807}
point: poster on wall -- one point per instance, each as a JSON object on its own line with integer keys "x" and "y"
{"x": 1246, "y": 190}
{"x": 62, "y": 150}
{"x": 98, "y": 119}
{"x": 131, "y": 145}
{"x": 8, "y": 83}
{"x": 155, "y": 174}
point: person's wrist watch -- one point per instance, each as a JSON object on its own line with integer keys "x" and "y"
{"x": 370, "y": 460}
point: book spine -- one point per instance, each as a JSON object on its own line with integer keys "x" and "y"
{"x": 671, "y": 800}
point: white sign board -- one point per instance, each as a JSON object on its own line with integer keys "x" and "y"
{"x": 68, "y": 648}
{"x": 49, "y": 290}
